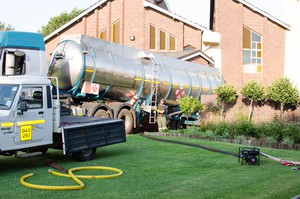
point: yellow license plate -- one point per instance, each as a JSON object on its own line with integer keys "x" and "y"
{"x": 26, "y": 133}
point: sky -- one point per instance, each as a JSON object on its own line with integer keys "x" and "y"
{"x": 31, "y": 15}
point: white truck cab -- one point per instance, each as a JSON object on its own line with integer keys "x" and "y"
{"x": 29, "y": 125}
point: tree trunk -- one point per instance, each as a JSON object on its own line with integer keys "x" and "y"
{"x": 281, "y": 111}
{"x": 250, "y": 111}
{"x": 222, "y": 112}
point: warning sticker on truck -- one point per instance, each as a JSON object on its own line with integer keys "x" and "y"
{"x": 26, "y": 133}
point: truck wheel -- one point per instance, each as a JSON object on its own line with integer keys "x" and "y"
{"x": 102, "y": 113}
{"x": 84, "y": 155}
{"x": 128, "y": 120}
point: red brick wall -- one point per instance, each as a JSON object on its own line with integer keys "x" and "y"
{"x": 199, "y": 60}
{"x": 230, "y": 17}
{"x": 134, "y": 24}
{"x": 192, "y": 37}
{"x": 165, "y": 24}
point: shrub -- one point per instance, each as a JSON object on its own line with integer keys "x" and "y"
{"x": 223, "y": 129}
{"x": 194, "y": 130}
{"x": 247, "y": 129}
{"x": 271, "y": 132}
{"x": 209, "y": 133}
{"x": 239, "y": 137}
{"x": 274, "y": 130}
{"x": 288, "y": 140}
{"x": 270, "y": 140}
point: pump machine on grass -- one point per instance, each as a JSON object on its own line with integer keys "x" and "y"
{"x": 114, "y": 81}
{"x": 31, "y": 117}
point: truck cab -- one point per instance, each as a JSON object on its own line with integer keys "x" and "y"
{"x": 26, "y": 112}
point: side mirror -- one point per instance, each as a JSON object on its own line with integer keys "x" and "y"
{"x": 23, "y": 106}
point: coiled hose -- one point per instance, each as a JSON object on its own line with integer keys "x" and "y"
{"x": 74, "y": 177}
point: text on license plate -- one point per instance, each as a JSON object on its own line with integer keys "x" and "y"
{"x": 26, "y": 132}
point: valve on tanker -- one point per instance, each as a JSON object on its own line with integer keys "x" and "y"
{"x": 133, "y": 100}
{"x": 59, "y": 55}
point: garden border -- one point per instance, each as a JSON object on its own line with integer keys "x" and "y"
{"x": 252, "y": 142}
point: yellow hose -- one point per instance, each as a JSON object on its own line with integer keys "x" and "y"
{"x": 74, "y": 177}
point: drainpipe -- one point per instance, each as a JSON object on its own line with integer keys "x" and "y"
{"x": 211, "y": 15}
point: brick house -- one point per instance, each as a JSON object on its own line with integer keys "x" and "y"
{"x": 143, "y": 24}
{"x": 244, "y": 42}
{"x": 253, "y": 48}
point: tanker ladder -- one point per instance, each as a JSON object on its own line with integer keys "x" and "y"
{"x": 154, "y": 86}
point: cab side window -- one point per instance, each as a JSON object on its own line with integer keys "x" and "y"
{"x": 33, "y": 96}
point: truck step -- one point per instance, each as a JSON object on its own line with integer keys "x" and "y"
{"x": 28, "y": 155}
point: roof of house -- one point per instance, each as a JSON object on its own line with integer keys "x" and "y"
{"x": 263, "y": 13}
{"x": 189, "y": 54}
{"x": 158, "y": 5}
{"x": 162, "y": 6}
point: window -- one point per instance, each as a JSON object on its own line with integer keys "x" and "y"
{"x": 116, "y": 32}
{"x": 14, "y": 63}
{"x": 33, "y": 96}
{"x": 103, "y": 34}
{"x": 163, "y": 40}
{"x": 152, "y": 37}
{"x": 172, "y": 42}
{"x": 7, "y": 95}
{"x": 252, "y": 51}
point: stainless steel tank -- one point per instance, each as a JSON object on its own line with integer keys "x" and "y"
{"x": 123, "y": 72}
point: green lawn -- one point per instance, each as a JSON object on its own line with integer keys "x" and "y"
{"x": 159, "y": 170}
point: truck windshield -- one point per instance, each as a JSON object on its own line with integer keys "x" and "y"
{"x": 7, "y": 95}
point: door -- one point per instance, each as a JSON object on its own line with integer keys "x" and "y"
{"x": 31, "y": 125}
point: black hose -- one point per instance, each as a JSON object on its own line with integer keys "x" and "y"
{"x": 191, "y": 144}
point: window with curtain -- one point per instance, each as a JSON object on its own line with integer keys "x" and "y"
{"x": 172, "y": 42}
{"x": 103, "y": 34}
{"x": 116, "y": 32}
{"x": 163, "y": 40}
{"x": 252, "y": 51}
{"x": 152, "y": 37}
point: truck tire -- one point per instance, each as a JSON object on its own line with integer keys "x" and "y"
{"x": 102, "y": 113}
{"x": 128, "y": 120}
{"x": 84, "y": 155}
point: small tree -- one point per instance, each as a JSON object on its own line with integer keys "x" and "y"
{"x": 225, "y": 94}
{"x": 58, "y": 21}
{"x": 4, "y": 27}
{"x": 255, "y": 93}
{"x": 283, "y": 92}
{"x": 189, "y": 105}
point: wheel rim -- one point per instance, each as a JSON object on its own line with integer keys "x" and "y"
{"x": 87, "y": 152}
{"x": 128, "y": 120}
{"x": 102, "y": 114}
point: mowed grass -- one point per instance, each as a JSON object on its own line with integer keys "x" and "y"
{"x": 155, "y": 169}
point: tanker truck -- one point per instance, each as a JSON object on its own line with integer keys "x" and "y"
{"x": 32, "y": 119}
{"x": 110, "y": 80}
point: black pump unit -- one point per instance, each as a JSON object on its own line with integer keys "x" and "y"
{"x": 250, "y": 155}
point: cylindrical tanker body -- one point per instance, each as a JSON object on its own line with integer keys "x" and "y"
{"x": 121, "y": 72}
